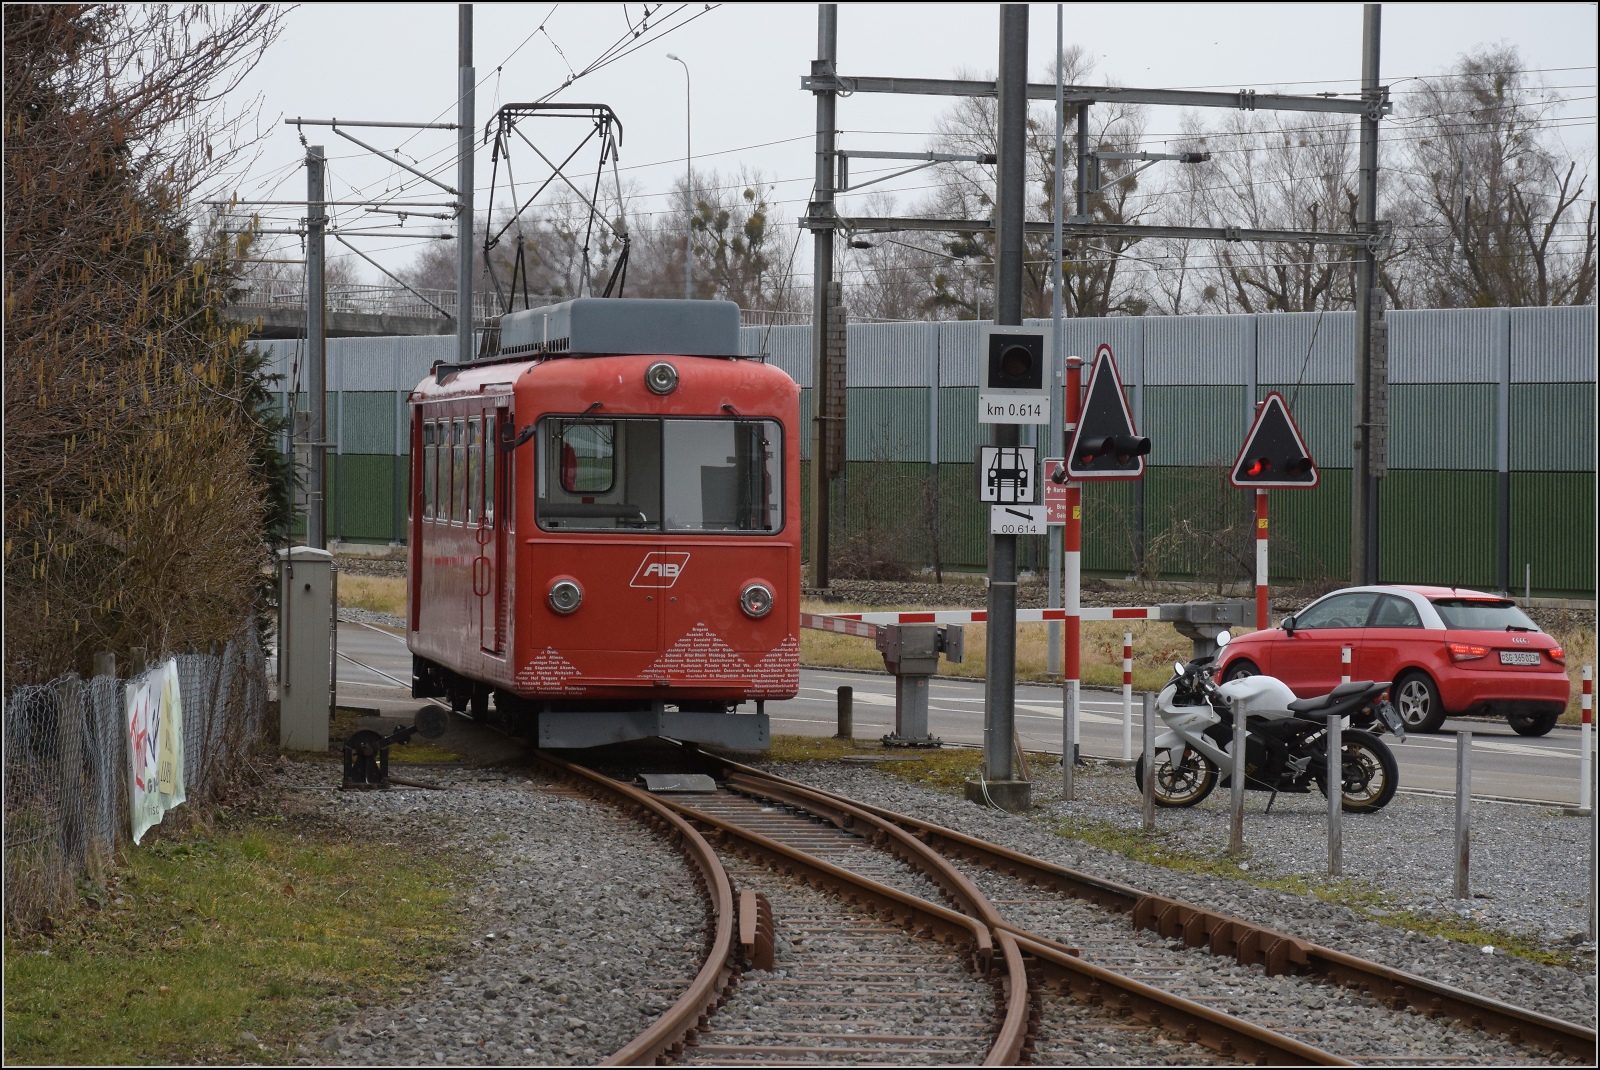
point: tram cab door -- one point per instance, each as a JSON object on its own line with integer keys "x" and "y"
{"x": 490, "y": 519}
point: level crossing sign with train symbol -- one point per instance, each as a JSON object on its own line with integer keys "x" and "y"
{"x": 1006, "y": 475}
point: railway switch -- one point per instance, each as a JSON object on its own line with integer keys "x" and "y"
{"x": 366, "y": 753}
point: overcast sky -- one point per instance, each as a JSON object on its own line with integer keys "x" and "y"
{"x": 398, "y": 63}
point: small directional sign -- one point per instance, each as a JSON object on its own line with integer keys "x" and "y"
{"x": 1055, "y": 491}
{"x": 1016, "y": 520}
{"x": 1006, "y": 475}
{"x": 1013, "y": 408}
{"x": 1105, "y": 444}
{"x": 1274, "y": 454}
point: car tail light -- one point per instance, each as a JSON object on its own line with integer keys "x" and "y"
{"x": 1557, "y": 654}
{"x": 1466, "y": 651}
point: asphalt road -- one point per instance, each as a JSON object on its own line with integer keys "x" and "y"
{"x": 375, "y": 671}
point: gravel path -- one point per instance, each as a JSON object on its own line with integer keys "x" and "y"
{"x": 582, "y": 927}
{"x": 1392, "y": 850}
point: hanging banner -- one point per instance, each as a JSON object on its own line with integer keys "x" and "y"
{"x": 155, "y": 746}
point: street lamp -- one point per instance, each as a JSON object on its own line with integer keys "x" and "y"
{"x": 688, "y": 183}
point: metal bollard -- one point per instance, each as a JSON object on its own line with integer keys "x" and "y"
{"x": 1463, "y": 813}
{"x": 1335, "y": 796}
{"x": 1236, "y": 781}
{"x": 1069, "y": 722}
{"x": 1586, "y": 740}
{"x": 847, "y": 709}
{"x": 1149, "y": 762}
{"x": 1127, "y": 696}
{"x": 1344, "y": 665}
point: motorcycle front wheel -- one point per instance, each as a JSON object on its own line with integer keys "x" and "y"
{"x": 1370, "y": 773}
{"x": 1184, "y": 784}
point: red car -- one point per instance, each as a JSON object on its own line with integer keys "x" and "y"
{"x": 1448, "y": 651}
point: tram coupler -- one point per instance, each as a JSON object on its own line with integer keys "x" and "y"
{"x": 366, "y": 753}
{"x": 911, "y": 653}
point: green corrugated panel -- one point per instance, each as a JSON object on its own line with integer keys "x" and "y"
{"x": 886, "y": 506}
{"x": 1552, "y": 427}
{"x": 1183, "y": 507}
{"x": 1322, "y": 412}
{"x": 1438, "y": 527}
{"x": 886, "y": 424}
{"x": 960, "y": 434}
{"x": 1309, "y": 530}
{"x": 1109, "y": 526}
{"x": 1442, "y": 425}
{"x": 1552, "y": 528}
{"x": 963, "y": 520}
{"x": 369, "y": 422}
{"x": 361, "y": 504}
{"x": 1195, "y": 425}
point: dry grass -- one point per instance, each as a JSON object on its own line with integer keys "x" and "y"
{"x": 381, "y": 594}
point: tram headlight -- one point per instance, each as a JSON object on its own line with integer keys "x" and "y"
{"x": 756, "y": 600}
{"x": 661, "y": 377}
{"x": 565, "y": 596}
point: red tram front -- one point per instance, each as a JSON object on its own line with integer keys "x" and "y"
{"x": 605, "y": 527}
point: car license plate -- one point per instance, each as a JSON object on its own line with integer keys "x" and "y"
{"x": 1519, "y": 657}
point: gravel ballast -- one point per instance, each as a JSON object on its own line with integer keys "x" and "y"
{"x": 581, "y": 928}
{"x": 1531, "y": 863}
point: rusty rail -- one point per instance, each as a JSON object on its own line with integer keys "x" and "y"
{"x": 713, "y": 984}
{"x": 1253, "y": 944}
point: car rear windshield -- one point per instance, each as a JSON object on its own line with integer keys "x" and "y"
{"x": 1479, "y": 615}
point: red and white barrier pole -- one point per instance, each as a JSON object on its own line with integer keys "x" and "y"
{"x": 1071, "y": 631}
{"x": 1586, "y": 764}
{"x": 1127, "y": 696}
{"x": 1344, "y": 665}
{"x": 1263, "y": 609}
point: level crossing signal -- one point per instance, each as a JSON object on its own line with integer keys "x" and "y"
{"x": 1274, "y": 455}
{"x": 1105, "y": 444}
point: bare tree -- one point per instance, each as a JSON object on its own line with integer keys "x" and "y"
{"x": 1502, "y": 215}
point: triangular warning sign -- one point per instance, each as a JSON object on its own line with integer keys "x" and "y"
{"x": 1274, "y": 454}
{"x": 1105, "y": 444}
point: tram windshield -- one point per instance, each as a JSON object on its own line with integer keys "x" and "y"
{"x": 653, "y": 474}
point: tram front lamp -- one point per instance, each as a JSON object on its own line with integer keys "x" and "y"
{"x": 565, "y": 596}
{"x": 661, "y": 378}
{"x": 756, "y": 600}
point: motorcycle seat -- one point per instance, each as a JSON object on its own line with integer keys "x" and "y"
{"x": 1322, "y": 702}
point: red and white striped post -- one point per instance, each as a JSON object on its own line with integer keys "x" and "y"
{"x": 1127, "y": 696}
{"x": 1072, "y": 545}
{"x": 1586, "y": 762}
{"x": 1344, "y": 665}
{"x": 1263, "y": 609}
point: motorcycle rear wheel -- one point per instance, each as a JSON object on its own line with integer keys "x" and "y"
{"x": 1370, "y": 772}
{"x": 1186, "y": 785}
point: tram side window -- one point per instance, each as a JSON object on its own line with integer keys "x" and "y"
{"x": 491, "y": 448}
{"x": 599, "y": 475}
{"x": 430, "y": 454}
{"x": 458, "y": 470}
{"x": 474, "y": 469}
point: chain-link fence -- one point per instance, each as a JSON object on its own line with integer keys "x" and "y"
{"x": 67, "y": 766}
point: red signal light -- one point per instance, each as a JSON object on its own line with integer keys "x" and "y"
{"x": 1258, "y": 467}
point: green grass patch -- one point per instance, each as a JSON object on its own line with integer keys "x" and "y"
{"x": 276, "y": 928}
{"x": 1366, "y": 900}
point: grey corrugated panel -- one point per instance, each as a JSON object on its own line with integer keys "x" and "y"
{"x": 1453, "y": 345}
{"x": 1124, "y": 334}
{"x": 787, "y": 347}
{"x": 414, "y": 355}
{"x": 1552, "y": 427}
{"x": 958, "y": 354}
{"x": 960, "y": 433}
{"x": 366, "y": 363}
{"x": 805, "y": 423}
{"x": 1442, "y": 426}
{"x": 369, "y": 422}
{"x": 1322, "y": 411}
{"x": 886, "y": 424}
{"x": 890, "y": 354}
{"x": 1307, "y": 347}
{"x": 1181, "y": 423}
{"x": 1182, "y": 350}
{"x": 1553, "y": 345}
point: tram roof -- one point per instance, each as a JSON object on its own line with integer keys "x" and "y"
{"x": 615, "y": 326}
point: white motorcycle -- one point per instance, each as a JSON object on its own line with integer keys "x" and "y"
{"x": 1286, "y": 738}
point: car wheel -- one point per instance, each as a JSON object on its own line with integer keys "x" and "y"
{"x": 1416, "y": 699}
{"x": 1532, "y": 724}
{"x": 1240, "y": 669}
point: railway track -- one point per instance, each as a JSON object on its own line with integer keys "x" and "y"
{"x": 846, "y": 934}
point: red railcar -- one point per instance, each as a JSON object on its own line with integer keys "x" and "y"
{"x": 605, "y": 527}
